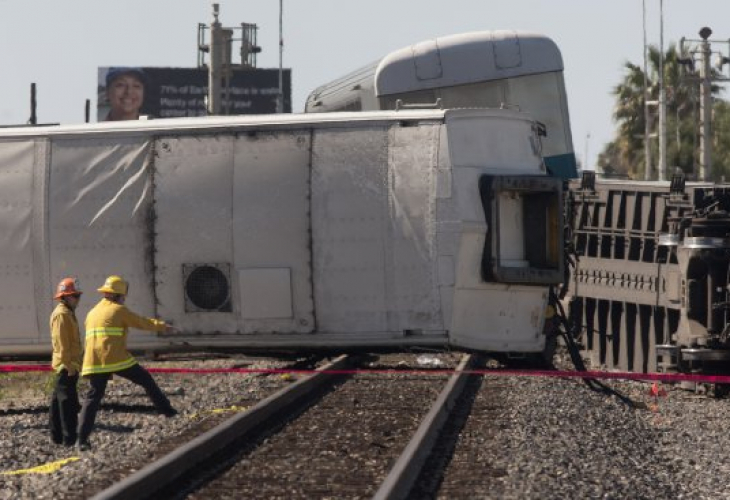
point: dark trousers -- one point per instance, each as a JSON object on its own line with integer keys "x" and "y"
{"x": 64, "y": 409}
{"x": 135, "y": 374}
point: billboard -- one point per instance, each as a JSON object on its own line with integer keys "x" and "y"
{"x": 125, "y": 93}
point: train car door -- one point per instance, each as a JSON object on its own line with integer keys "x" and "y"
{"x": 271, "y": 231}
{"x": 99, "y": 199}
{"x": 193, "y": 218}
{"x": 24, "y": 262}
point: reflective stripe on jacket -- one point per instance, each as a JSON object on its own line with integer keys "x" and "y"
{"x": 107, "y": 325}
{"x": 65, "y": 339}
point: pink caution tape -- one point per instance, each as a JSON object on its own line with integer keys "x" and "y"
{"x": 657, "y": 377}
{"x": 25, "y": 368}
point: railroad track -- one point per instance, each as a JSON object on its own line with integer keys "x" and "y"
{"x": 338, "y": 433}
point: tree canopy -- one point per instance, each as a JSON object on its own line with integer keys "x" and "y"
{"x": 625, "y": 153}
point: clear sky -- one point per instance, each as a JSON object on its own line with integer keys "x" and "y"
{"x": 59, "y": 44}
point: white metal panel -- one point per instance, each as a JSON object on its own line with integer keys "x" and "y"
{"x": 479, "y": 315}
{"x": 492, "y": 316}
{"x": 507, "y": 53}
{"x": 271, "y": 227}
{"x": 499, "y": 319}
{"x": 194, "y": 212}
{"x": 350, "y": 228}
{"x": 427, "y": 60}
{"x": 222, "y": 124}
{"x": 99, "y": 200}
{"x": 411, "y": 271}
{"x": 466, "y": 205}
{"x": 543, "y": 97}
{"x": 343, "y": 92}
{"x": 468, "y": 58}
{"x": 17, "y": 298}
{"x": 265, "y": 293}
{"x": 447, "y": 228}
{"x": 43, "y": 285}
{"x": 500, "y": 143}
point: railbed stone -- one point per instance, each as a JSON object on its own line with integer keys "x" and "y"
{"x": 546, "y": 438}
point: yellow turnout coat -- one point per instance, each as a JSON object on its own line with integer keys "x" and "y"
{"x": 107, "y": 326}
{"x": 65, "y": 339}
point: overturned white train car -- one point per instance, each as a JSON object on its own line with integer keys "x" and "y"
{"x": 330, "y": 231}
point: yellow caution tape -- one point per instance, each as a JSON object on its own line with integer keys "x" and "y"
{"x": 230, "y": 408}
{"x": 219, "y": 410}
{"x": 42, "y": 469}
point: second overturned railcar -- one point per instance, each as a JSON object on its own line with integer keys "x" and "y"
{"x": 651, "y": 284}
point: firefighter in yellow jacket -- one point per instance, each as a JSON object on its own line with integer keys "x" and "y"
{"x": 66, "y": 363}
{"x": 106, "y": 354}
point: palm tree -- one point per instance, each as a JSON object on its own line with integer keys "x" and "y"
{"x": 628, "y": 112}
{"x": 625, "y": 154}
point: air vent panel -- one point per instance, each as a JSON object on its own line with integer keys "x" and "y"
{"x": 207, "y": 287}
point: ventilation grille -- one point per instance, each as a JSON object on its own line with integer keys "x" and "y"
{"x": 207, "y": 287}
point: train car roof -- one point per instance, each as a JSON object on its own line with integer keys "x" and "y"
{"x": 448, "y": 60}
{"x": 466, "y": 58}
{"x": 246, "y": 122}
{"x": 351, "y": 82}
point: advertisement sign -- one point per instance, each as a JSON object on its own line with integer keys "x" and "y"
{"x": 126, "y": 93}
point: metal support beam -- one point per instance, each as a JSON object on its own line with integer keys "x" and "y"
{"x": 216, "y": 64}
{"x": 705, "y": 112}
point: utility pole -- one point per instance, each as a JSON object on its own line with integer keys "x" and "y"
{"x": 221, "y": 66}
{"x": 705, "y": 106}
{"x": 662, "y": 167}
{"x": 280, "y": 97}
{"x": 33, "y": 120}
{"x": 704, "y": 79}
{"x": 216, "y": 64}
{"x": 648, "y": 168}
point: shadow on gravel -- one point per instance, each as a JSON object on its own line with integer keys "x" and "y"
{"x": 116, "y": 407}
{"x": 432, "y": 473}
{"x": 128, "y": 408}
{"x": 118, "y": 429}
{"x": 33, "y": 410}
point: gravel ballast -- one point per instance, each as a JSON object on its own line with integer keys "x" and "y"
{"x": 547, "y": 437}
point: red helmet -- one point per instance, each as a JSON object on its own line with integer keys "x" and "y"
{"x": 67, "y": 286}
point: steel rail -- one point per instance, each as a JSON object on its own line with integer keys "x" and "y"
{"x": 405, "y": 472}
{"x": 161, "y": 473}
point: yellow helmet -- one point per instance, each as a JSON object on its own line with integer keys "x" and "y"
{"x": 114, "y": 284}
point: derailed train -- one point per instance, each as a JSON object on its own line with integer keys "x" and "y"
{"x": 650, "y": 288}
{"x": 394, "y": 229}
{"x": 651, "y": 283}
{"x": 400, "y": 229}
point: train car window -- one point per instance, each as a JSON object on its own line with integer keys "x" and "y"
{"x": 540, "y": 96}
{"x": 475, "y": 95}
{"x": 524, "y": 242}
{"x": 355, "y": 105}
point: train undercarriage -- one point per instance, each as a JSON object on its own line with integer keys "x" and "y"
{"x": 650, "y": 274}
